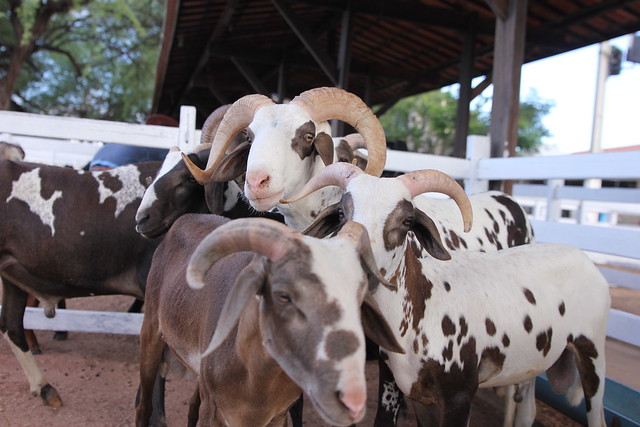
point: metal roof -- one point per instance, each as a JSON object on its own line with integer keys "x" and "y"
{"x": 215, "y": 51}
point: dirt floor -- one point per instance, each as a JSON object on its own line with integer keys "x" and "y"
{"x": 96, "y": 375}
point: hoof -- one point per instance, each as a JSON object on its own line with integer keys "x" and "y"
{"x": 60, "y": 335}
{"x": 35, "y": 351}
{"x": 50, "y": 396}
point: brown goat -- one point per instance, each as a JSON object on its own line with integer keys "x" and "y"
{"x": 254, "y": 356}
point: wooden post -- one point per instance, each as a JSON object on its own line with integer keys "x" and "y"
{"x": 508, "y": 55}
{"x": 464, "y": 98}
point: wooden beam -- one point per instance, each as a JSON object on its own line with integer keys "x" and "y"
{"x": 464, "y": 98}
{"x": 507, "y": 63}
{"x": 251, "y": 77}
{"x": 500, "y": 8}
{"x": 480, "y": 87}
{"x": 321, "y": 57}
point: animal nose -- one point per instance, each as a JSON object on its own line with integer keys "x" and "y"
{"x": 354, "y": 400}
{"x": 258, "y": 180}
{"x": 142, "y": 219}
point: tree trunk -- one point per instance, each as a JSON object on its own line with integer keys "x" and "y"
{"x": 24, "y": 49}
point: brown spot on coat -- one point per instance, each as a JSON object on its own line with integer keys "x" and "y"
{"x": 490, "y": 326}
{"x": 447, "y": 352}
{"x": 447, "y": 286}
{"x": 340, "y": 344}
{"x": 528, "y": 324}
{"x": 418, "y": 291}
{"x": 529, "y": 295}
{"x": 543, "y": 341}
{"x": 448, "y": 327}
{"x": 561, "y": 308}
{"x": 505, "y": 340}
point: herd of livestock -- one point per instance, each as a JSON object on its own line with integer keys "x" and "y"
{"x": 274, "y": 257}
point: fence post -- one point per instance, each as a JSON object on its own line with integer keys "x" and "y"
{"x": 478, "y": 148}
{"x": 553, "y": 204}
{"x": 187, "y": 131}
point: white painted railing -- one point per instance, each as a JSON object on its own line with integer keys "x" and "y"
{"x": 476, "y": 171}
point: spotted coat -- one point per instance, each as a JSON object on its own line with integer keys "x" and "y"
{"x": 469, "y": 319}
{"x": 67, "y": 233}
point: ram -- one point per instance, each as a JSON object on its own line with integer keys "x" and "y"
{"x": 65, "y": 234}
{"x": 469, "y": 319}
{"x": 289, "y": 144}
{"x": 246, "y": 351}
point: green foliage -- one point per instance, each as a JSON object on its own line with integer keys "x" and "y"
{"x": 426, "y": 122}
{"x": 97, "y": 61}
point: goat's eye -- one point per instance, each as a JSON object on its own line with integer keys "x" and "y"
{"x": 343, "y": 159}
{"x": 308, "y": 137}
{"x": 407, "y": 221}
{"x": 282, "y": 298}
{"x": 340, "y": 213}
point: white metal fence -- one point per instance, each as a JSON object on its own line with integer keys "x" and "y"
{"x": 56, "y": 140}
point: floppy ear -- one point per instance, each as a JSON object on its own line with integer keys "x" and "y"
{"x": 249, "y": 283}
{"x": 376, "y": 327}
{"x": 234, "y": 164}
{"x": 326, "y": 223}
{"x": 428, "y": 236}
{"x": 214, "y": 196}
{"x": 324, "y": 146}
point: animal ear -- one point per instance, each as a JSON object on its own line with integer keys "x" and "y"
{"x": 249, "y": 283}
{"x": 327, "y": 223}
{"x": 233, "y": 165}
{"x": 324, "y": 146}
{"x": 376, "y": 327}
{"x": 214, "y": 196}
{"x": 428, "y": 236}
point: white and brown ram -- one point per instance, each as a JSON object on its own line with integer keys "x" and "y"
{"x": 470, "y": 319}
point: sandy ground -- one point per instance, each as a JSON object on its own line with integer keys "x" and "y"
{"x": 97, "y": 377}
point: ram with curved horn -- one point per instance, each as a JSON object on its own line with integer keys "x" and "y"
{"x": 469, "y": 319}
{"x": 289, "y": 144}
{"x": 237, "y": 319}
{"x": 174, "y": 192}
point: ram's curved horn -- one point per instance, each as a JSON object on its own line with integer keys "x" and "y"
{"x": 335, "y": 174}
{"x": 237, "y": 117}
{"x": 210, "y": 126}
{"x": 328, "y": 103}
{"x": 426, "y": 180}
{"x": 355, "y": 141}
{"x": 264, "y": 236}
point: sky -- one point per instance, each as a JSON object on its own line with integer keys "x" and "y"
{"x": 569, "y": 81}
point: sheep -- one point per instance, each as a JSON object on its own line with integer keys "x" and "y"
{"x": 257, "y": 330}
{"x": 289, "y": 144}
{"x": 470, "y": 319}
{"x": 67, "y": 233}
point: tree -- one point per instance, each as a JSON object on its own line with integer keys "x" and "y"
{"x": 426, "y": 122}
{"x": 95, "y": 60}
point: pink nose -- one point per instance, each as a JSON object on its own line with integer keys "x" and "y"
{"x": 354, "y": 399}
{"x": 258, "y": 180}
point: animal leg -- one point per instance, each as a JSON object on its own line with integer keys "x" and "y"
{"x": 509, "y": 405}
{"x": 151, "y": 358}
{"x": 14, "y": 301}
{"x": 194, "y": 408}
{"x": 525, "y": 410}
{"x": 29, "y": 335}
{"x": 61, "y": 335}
{"x": 591, "y": 366}
{"x": 389, "y": 396}
{"x": 296, "y": 412}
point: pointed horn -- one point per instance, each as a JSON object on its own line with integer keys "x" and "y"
{"x": 426, "y": 180}
{"x": 237, "y": 117}
{"x": 327, "y": 103}
{"x": 355, "y": 141}
{"x": 335, "y": 174}
{"x": 357, "y": 233}
{"x": 264, "y": 236}
{"x": 210, "y": 126}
